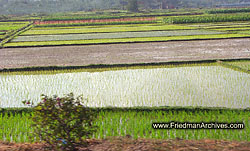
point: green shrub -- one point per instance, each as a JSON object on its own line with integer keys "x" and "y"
{"x": 63, "y": 123}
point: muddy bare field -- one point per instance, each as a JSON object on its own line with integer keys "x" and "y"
{"x": 125, "y": 53}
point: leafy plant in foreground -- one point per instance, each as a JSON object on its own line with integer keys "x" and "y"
{"x": 63, "y": 122}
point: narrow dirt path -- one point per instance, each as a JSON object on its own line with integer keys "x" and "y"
{"x": 125, "y": 53}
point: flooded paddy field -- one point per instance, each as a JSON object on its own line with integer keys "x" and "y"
{"x": 205, "y": 86}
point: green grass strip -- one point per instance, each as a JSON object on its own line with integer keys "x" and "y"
{"x": 243, "y": 66}
{"x": 244, "y": 32}
{"x": 122, "y": 40}
{"x": 12, "y": 26}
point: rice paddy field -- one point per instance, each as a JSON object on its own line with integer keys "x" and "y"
{"x": 114, "y": 30}
{"x": 8, "y": 27}
{"x": 151, "y": 94}
{"x": 183, "y": 86}
{"x": 113, "y": 35}
{"x": 129, "y": 99}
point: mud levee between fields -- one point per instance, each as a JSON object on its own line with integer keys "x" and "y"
{"x": 125, "y": 53}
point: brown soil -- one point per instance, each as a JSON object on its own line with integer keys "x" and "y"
{"x": 125, "y": 53}
{"x": 128, "y": 144}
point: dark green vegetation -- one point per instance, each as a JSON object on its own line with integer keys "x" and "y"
{"x": 208, "y": 19}
{"x": 62, "y": 122}
{"x": 233, "y": 10}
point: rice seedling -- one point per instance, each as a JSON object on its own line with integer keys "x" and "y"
{"x": 210, "y": 86}
{"x": 15, "y": 127}
{"x": 138, "y": 124}
{"x": 112, "y": 35}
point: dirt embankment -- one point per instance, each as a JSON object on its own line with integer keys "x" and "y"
{"x": 128, "y": 144}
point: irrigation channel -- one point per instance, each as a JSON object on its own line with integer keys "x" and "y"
{"x": 206, "y": 86}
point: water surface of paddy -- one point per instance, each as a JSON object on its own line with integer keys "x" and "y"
{"x": 208, "y": 86}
